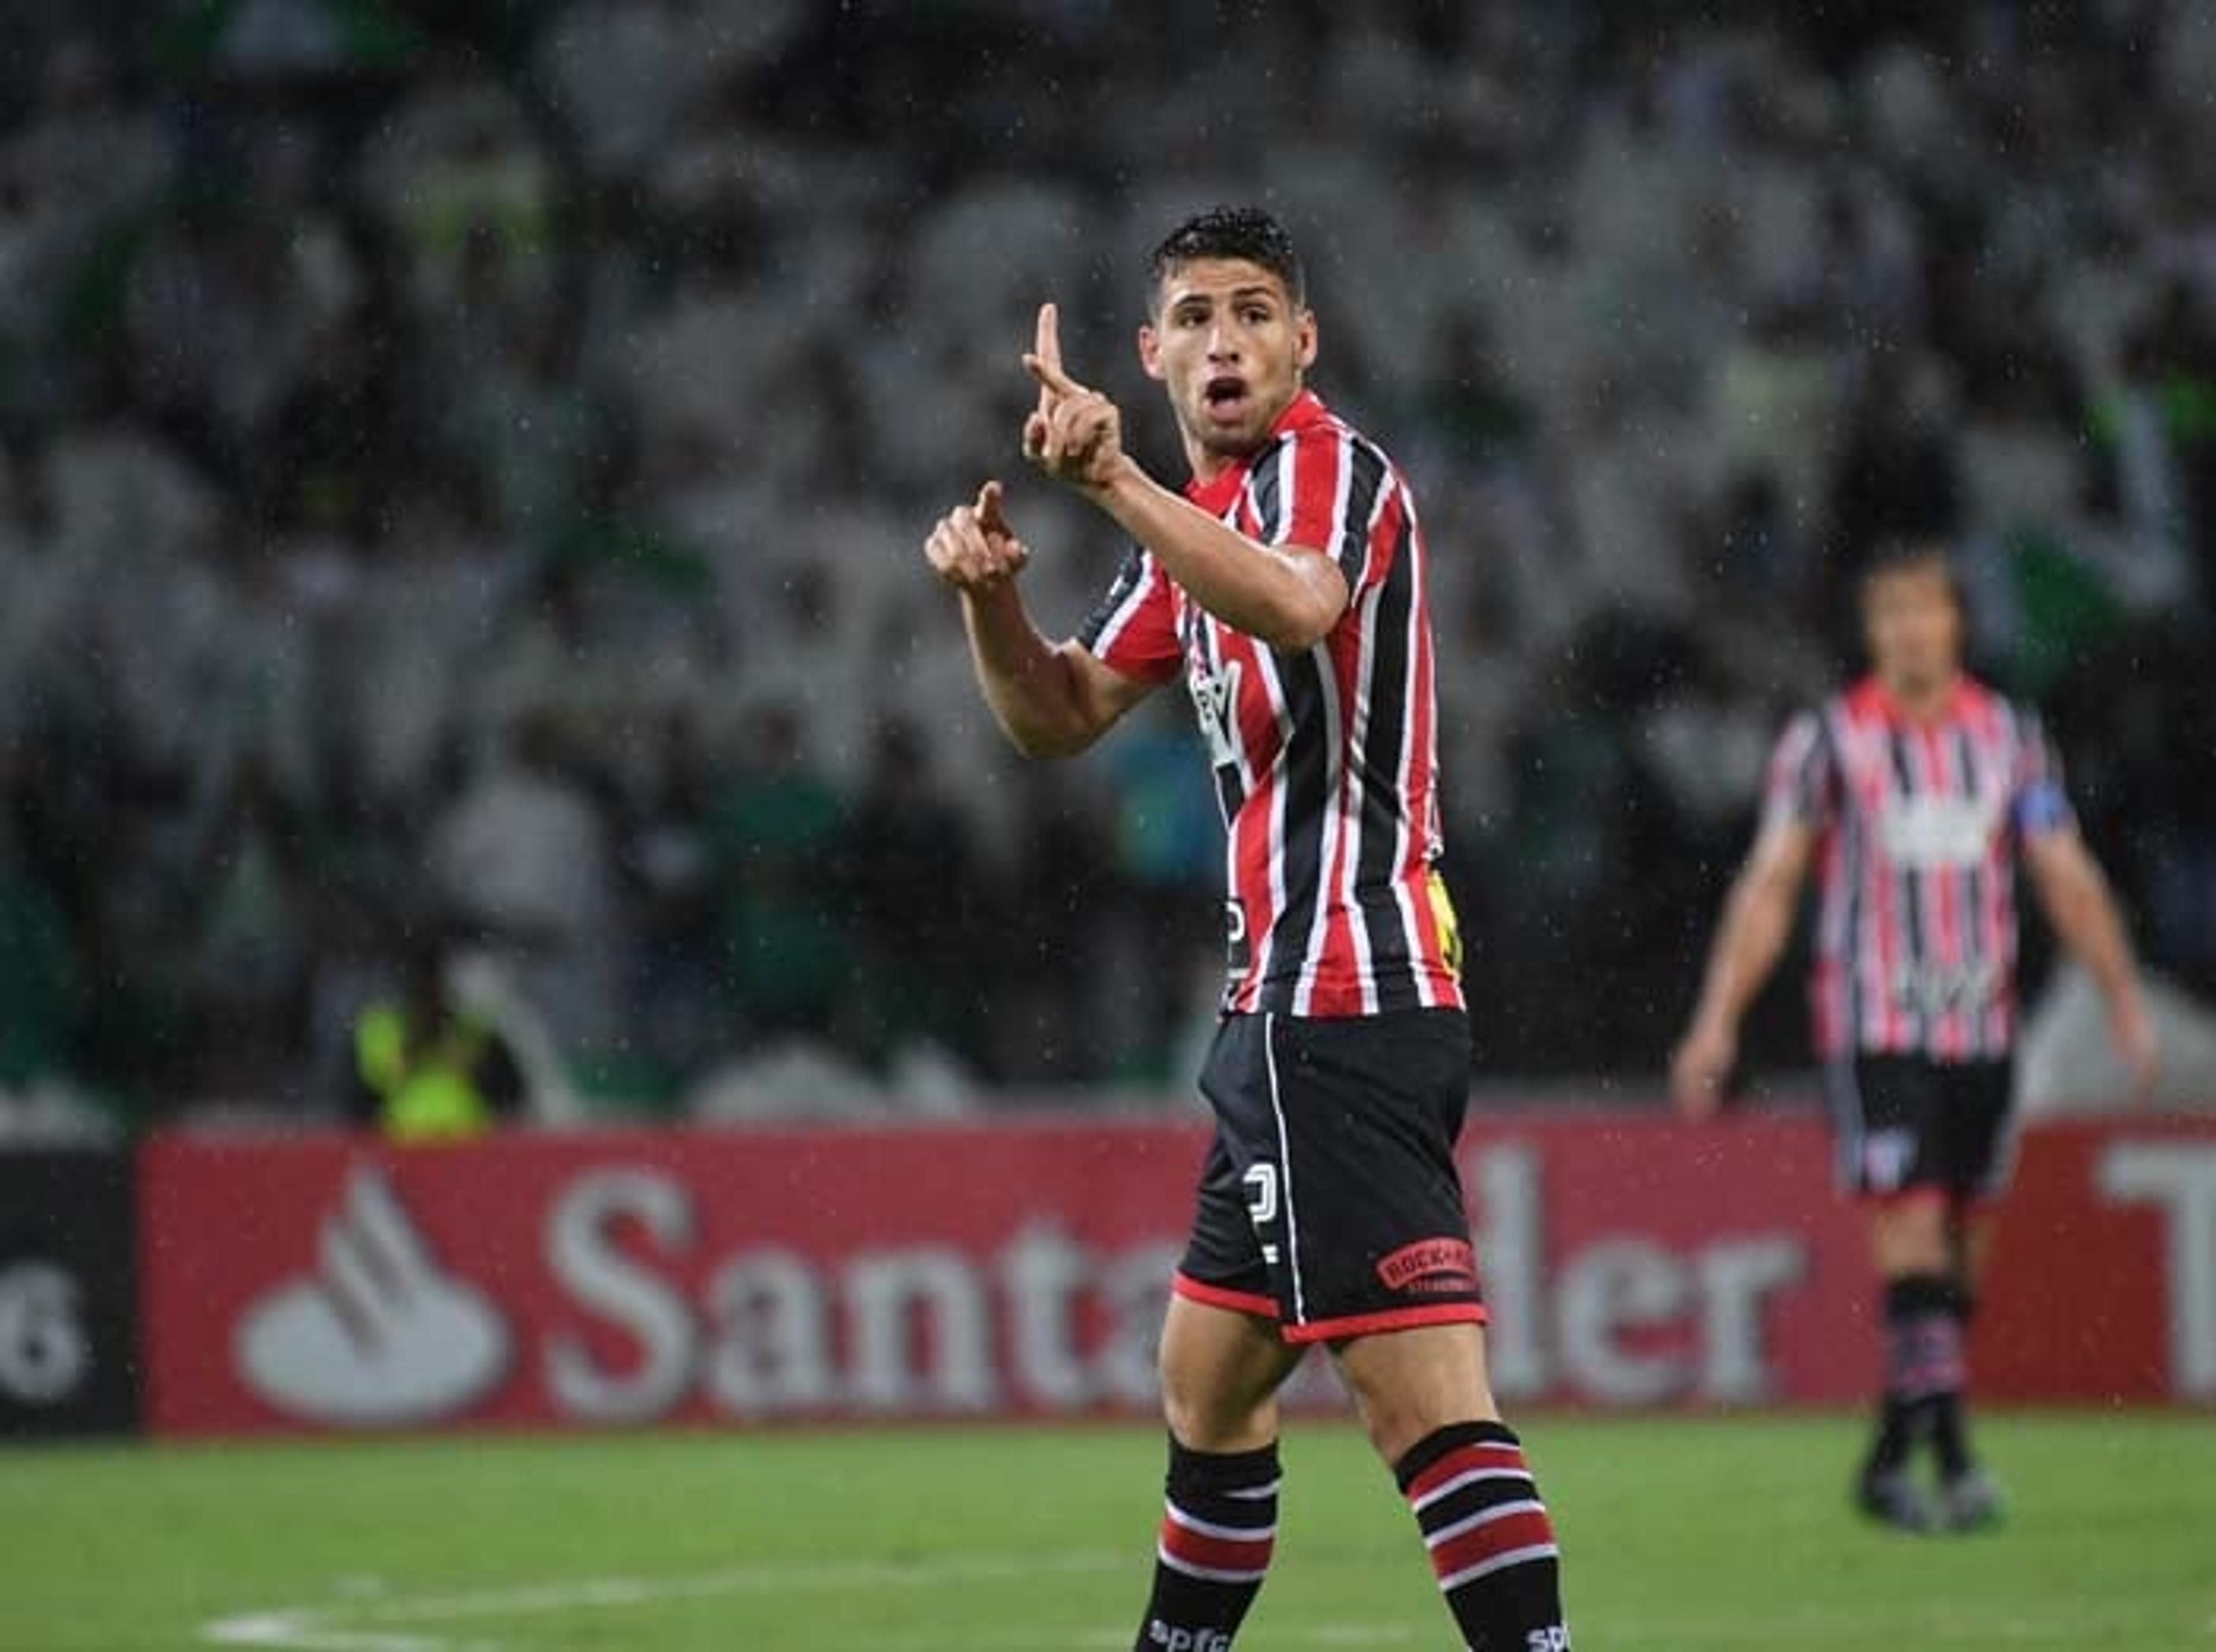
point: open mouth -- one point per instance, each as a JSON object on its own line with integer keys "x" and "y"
{"x": 1226, "y": 394}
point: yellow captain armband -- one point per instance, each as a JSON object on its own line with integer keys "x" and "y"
{"x": 1449, "y": 926}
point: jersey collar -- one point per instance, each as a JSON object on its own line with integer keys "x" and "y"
{"x": 1215, "y": 495}
{"x": 1958, "y": 704}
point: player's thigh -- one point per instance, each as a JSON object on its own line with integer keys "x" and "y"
{"x": 1974, "y": 1243}
{"x": 1221, "y": 1373}
{"x": 1912, "y": 1233}
{"x": 1409, "y": 1384}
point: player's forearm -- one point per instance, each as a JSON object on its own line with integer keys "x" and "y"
{"x": 1285, "y": 597}
{"x": 1758, "y": 920}
{"x": 1025, "y": 680}
{"x": 2084, "y": 916}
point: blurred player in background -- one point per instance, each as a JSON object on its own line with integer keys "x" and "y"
{"x": 1286, "y": 585}
{"x": 1916, "y": 793}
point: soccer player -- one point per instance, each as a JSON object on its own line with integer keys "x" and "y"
{"x": 1915, "y": 794}
{"x": 1286, "y": 585}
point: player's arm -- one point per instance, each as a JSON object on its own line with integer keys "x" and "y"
{"x": 1288, "y": 596}
{"x": 1053, "y": 699}
{"x": 2075, "y": 895}
{"x": 1757, "y": 921}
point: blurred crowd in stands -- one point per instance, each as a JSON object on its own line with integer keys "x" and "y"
{"x": 463, "y": 471}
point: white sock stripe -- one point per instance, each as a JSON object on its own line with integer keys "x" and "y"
{"x": 1207, "y": 1574}
{"x": 1256, "y": 1493}
{"x": 1469, "y": 1478}
{"x": 1499, "y": 1562}
{"x": 1210, "y": 1529}
{"x": 1484, "y": 1517}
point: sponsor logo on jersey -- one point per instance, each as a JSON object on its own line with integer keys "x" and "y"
{"x": 1938, "y": 989}
{"x": 1927, "y": 833}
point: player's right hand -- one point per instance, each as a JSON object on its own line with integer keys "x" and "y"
{"x": 2133, "y": 1028}
{"x": 1699, "y": 1069}
{"x": 1076, "y": 433}
{"x": 973, "y": 549}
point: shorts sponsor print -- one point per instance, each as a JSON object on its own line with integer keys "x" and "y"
{"x": 1329, "y": 1200}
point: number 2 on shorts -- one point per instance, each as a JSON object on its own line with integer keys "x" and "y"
{"x": 1261, "y": 1182}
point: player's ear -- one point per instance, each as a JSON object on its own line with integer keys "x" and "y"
{"x": 1150, "y": 352}
{"x": 1304, "y": 341}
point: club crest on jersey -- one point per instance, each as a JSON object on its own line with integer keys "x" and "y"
{"x": 1925, "y": 833}
{"x": 1216, "y": 703}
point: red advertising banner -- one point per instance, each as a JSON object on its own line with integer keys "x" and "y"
{"x": 1019, "y": 1268}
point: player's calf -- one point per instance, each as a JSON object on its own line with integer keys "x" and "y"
{"x": 1218, "y": 1528}
{"x": 1491, "y": 1545}
{"x": 1926, "y": 1371}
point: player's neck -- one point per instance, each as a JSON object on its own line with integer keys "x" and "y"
{"x": 1921, "y": 702}
{"x": 1206, "y": 464}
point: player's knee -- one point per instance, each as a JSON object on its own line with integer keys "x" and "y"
{"x": 1396, "y": 1418}
{"x": 1911, "y": 1236}
{"x": 1203, "y": 1423}
{"x": 1409, "y": 1385}
{"x": 1204, "y": 1416}
{"x": 1392, "y": 1427}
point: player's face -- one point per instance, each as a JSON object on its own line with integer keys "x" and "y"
{"x": 1230, "y": 346}
{"x": 1915, "y": 628}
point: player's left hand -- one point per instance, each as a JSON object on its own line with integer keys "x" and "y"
{"x": 2131, "y": 1027}
{"x": 1075, "y": 434}
{"x": 972, "y": 547}
{"x": 1700, "y": 1068}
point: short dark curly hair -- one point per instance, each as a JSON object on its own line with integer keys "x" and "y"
{"x": 1903, "y": 553}
{"x": 1246, "y": 232}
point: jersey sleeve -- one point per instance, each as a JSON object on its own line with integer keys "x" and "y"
{"x": 2040, "y": 802}
{"x": 1328, "y": 490}
{"x": 1134, "y": 628}
{"x": 1803, "y": 786}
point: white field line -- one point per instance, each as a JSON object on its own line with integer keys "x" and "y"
{"x": 1874, "y": 1627}
{"x": 401, "y": 1623}
{"x": 383, "y": 1625}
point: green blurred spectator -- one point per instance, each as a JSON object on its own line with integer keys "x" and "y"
{"x": 777, "y": 831}
{"x": 39, "y": 978}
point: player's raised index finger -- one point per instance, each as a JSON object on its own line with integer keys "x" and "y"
{"x": 1048, "y": 345}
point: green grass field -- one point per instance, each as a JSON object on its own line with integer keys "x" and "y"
{"x": 1680, "y": 1534}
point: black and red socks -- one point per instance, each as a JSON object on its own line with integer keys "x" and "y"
{"x": 1925, "y": 1372}
{"x": 1219, "y": 1525}
{"x": 1492, "y": 1546}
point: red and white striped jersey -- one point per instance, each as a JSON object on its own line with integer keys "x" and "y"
{"x": 1919, "y": 824}
{"x": 1326, "y": 760}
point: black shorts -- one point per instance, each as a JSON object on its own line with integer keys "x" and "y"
{"x": 1329, "y": 1200}
{"x": 1906, "y": 1124}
